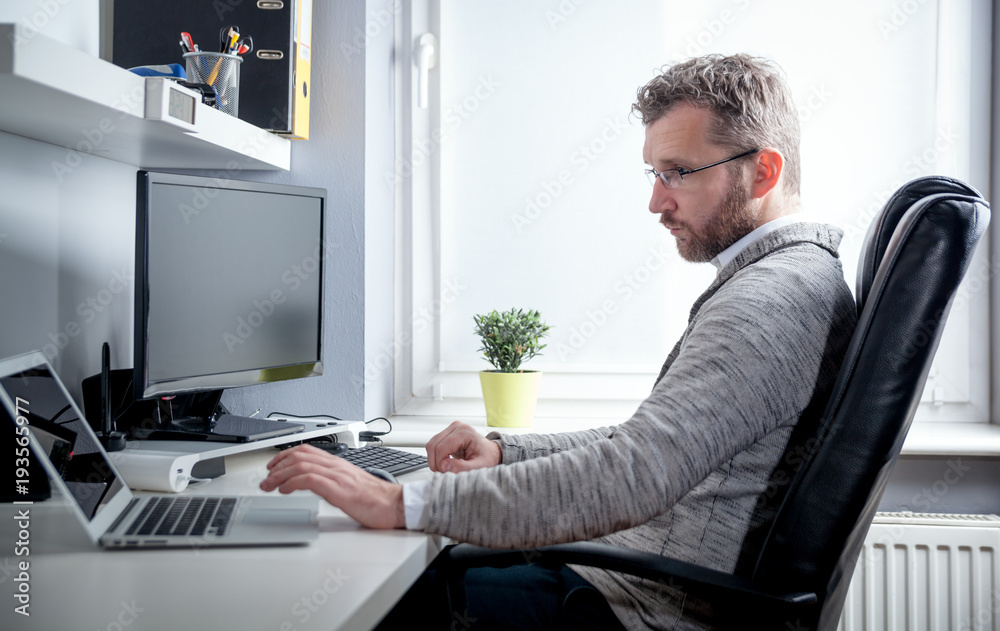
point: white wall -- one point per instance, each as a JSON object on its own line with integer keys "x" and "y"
{"x": 72, "y": 22}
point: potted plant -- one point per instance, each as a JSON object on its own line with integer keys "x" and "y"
{"x": 510, "y": 338}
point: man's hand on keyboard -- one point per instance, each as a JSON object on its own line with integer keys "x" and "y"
{"x": 461, "y": 448}
{"x": 372, "y": 502}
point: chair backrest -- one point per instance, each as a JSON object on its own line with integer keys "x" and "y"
{"x": 915, "y": 255}
{"x": 884, "y": 224}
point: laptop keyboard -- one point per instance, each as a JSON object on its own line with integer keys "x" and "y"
{"x": 395, "y": 461}
{"x": 199, "y": 516}
{"x": 179, "y": 516}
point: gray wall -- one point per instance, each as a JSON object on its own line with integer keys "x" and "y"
{"x": 67, "y": 244}
{"x": 66, "y": 257}
{"x": 946, "y": 484}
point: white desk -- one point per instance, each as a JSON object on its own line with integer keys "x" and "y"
{"x": 348, "y": 579}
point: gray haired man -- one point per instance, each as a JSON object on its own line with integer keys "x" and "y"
{"x": 684, "y": 476}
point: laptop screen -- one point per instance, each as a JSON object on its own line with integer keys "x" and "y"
{"x": 64, "y": 435}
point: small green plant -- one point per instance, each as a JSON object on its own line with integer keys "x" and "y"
{"x": 510, "y": 337}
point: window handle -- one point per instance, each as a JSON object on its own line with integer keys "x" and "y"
{"x": 425, "y": 58}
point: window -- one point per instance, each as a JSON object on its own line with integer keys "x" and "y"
{"x": 519, "y": 176}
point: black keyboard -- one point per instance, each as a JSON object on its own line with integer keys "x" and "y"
{"x": 395, "y": 461}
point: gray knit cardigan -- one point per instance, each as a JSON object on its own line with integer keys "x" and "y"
{"x": 683, "y": 475}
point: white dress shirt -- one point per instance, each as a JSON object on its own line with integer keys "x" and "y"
{"x": 732, "y": 251}
{"x": 415, "y": 504}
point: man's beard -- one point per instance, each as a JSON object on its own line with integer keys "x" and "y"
{"x": 736, "y": 219}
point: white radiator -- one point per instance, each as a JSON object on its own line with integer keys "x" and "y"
{"x": 926, "y": 572}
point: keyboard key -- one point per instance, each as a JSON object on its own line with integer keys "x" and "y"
{"x": 176, "y": 510}
{"x": 205, "y": 516}
{"x": 187, "y": 519}
{"x": 159, "y": 510}
{"x": 140, "y": 518}
{"x": 223, "y": 515}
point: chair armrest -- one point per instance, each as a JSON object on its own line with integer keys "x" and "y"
{"x": 694, "y": 580}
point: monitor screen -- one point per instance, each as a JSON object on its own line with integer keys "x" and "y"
{"x": 229, "y": 283}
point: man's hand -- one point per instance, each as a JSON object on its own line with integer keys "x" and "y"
{"x": 461, "y": 448}
{"x": 372, "y": 502}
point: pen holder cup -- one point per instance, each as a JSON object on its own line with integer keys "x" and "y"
{"x": 222, "y": 72}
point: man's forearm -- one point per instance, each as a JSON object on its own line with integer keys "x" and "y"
{"x": 518, "y": 447}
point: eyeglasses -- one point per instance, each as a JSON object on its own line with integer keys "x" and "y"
{"x": 672, "y": 178}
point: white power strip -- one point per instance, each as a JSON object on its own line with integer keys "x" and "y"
{"x": 155, "y": 470}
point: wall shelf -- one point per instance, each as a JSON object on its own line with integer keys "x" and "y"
{"x": 57, "y": 94}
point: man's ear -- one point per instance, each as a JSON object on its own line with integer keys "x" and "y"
{"x": 768, "y": 164}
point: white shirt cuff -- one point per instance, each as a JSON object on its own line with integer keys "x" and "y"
{"x": 415, "y": 504}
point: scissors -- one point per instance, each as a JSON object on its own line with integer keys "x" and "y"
{"x": 244, "y": 45}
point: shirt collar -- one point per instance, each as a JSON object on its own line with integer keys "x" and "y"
{"x": 727, "y": 255}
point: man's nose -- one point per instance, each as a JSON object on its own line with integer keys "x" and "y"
{"x": 661, "y": 200}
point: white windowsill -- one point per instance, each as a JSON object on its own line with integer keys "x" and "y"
{"x": 924, "y": 439}
{"x": 415, "y": 431}
{"x": 952, "y": 439}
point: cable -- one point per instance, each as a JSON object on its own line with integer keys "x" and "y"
{"x": 365, "y": 436}
{"x": 193, "y": 481}
{"x": 373, "y": 437}
{"x": 60, "y": 413}
{"x": 327, "y": 439}
{"x": 306, "y": 416}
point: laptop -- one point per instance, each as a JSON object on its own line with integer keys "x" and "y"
{"x": 33, "y": 396}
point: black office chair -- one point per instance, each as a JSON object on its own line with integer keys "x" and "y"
{"x": 915, "y": 254}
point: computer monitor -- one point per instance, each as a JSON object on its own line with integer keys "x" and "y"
{"x": 229, "y": 283}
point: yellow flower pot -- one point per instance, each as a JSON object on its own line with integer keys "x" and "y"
{"x": 510, "y": 397}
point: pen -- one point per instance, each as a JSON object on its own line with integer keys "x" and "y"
{"x": 227, "y": 37}
{"x": 215, "y": 72}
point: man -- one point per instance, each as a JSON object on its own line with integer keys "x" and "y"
{"x": 686, "y": 475}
